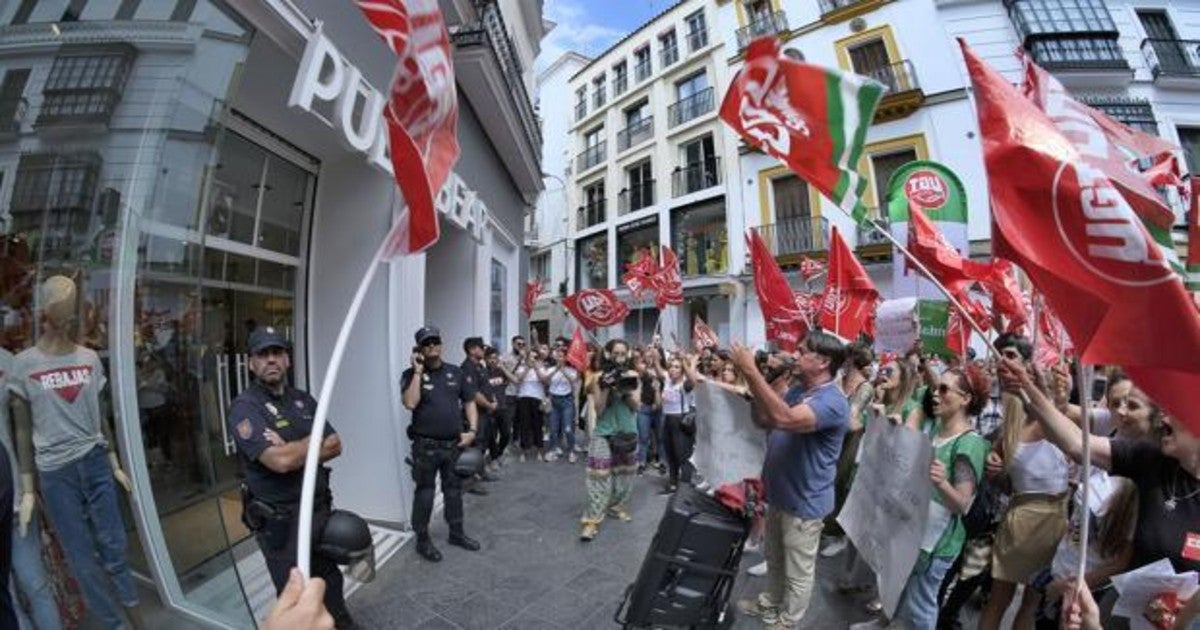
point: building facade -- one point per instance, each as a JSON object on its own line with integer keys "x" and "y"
{"x": 549, "y": 236}
{"x": 1133, "y": 59}
{"x": 649, "y": 168}
{"x": 164, "y": 154}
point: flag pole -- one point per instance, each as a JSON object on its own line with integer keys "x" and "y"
{"x": 577, "y": 322}
{"x": 1084, "y": 374}
{"x": 312, "y": 457}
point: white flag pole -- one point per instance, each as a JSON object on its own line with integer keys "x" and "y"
{"x": 311, "y": 460}
{"x": 1084, "y": 378}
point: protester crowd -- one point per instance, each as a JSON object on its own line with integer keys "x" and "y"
{"x": 1007, "y": 503}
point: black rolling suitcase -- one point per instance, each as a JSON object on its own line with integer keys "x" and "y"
{"x": 687, "y": 576}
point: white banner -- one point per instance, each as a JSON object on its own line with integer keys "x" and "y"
{"x": 888, "y": 506}
{"x": 729, "y": 447}
{"x": 896, "y": 325}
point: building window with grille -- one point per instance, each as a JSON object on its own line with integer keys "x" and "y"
{"x": 581, "y": 102}
{"x": 642, "y": 66}
{"x": 1136, "y": 113}
{"x": 668, "y": 47}
{"x": 598, "y": 93}
{"x": 884, "y": 165}
{"x": 85, "y": 84}
{"x": 620, "y": 78}
{"x": 539, "y": 266}
{"x": 591, "y": 260}
{"x": 1068, "y": 33}
{"x": 697, "y": 31}
{"x": 52, "y": 201}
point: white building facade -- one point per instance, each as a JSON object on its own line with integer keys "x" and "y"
{"x": 650, "y": 160}
{"x": 148, "y": 150}
{"x": 927, "y": 113}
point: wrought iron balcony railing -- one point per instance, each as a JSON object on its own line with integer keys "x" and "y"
{"x": 697, "y": 40}
{"x": 592, "y": 156}
{"x": 696, "y": 177}
{"x": 792, "y": 236}
{"x": 1172, "y": 57}
{"x": 620, "y": 84}
{"x": 642, "y": 70}
{"x": 580, "y": 110}
{"x": 829, "y": 6}
{"x": 770, "y": 24}
{"x": 636, "y": 197}
{"x": 590, "y": 214}
{"x": 12, "y": 115}
{"x": 691, "y": 107}
{"x": 637, "y": 132}
{"x": 869, "y": 236}
{"x": 669, "y": 55}
{"x": 896, "y": 77}
{"x": 1082, "y": 52}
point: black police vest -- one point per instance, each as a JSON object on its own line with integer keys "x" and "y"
{"x": 439, "y": 415}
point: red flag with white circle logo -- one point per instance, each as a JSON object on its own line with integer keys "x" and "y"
{"x": 596, "y": 308}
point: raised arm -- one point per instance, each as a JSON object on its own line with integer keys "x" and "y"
{"x": 1059, "y": 428}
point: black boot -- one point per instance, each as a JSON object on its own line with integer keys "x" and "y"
{"x": 462, "y": 540}
{"x": 426, "y": 549}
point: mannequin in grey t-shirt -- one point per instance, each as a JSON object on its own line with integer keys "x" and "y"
{"x": 56, "y": 388}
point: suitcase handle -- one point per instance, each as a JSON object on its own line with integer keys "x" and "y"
{"x": 694, "y": 566}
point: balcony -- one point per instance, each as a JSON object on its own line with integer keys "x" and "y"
{"x": 770, "y": 24}
{"x": 788, "y": 239}
{"x": 690, "y": 108}
{"x": 635, "y": 197}
{"x": 591, "y": 156}
{"x": 697, "y": 40}
{"x": 833, "y": 11}
{"x": 871, "y": 240}
{"x": 1173, "y": 61}
{"x": 590, "y": 214}
{"x": 696, "y": 177}
{"x": 12, "y": 116}
{"x": 902, "y": 92}
{"x": 636, "y": 133}
{"x": 620, "y": 84}
{"x": 598, "y": 96}
{"x": 669, "y": 55}
{"x": 642, "y": 70}
{"x": 489, "y": 72}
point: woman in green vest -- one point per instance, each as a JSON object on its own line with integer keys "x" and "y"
{"x": 612, "y": 447}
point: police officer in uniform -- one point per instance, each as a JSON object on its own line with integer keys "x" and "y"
{"x": 439, "y": 395}
{"x": 271, "y": 422}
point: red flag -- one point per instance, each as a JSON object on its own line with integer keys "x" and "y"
{"x": 639, "y": 275}
{"x": 930, "y": 247}
{"x": 533, "y": 289}
{"x": 810, "y": 268}
{"x": 1193, "y": 222}
{"x": 785, "y": 324}
{"x": 1071, "y": 230}
{"x": 668, "y": 285}
{"x": 703, "y": 336}
{"x": 813, "y": 119}
{"x": 1103, "y": 143}
{"x": 848, "y": 304}
{"x": 577, "y": 353}
{"x": 596, "y": 308}
{"x": 956, "y": 337}
{"x": 421, "y": 114}
{"x": 997, "y": 279}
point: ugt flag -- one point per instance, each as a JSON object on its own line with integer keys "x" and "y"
{"x": 848, "y": 304}
{"x": 784, "y": 320}
{"x": 596, "y": 308}
{"x": 1067, "y": 225}
{"x": 812, "y": 118}
{"x": 421, "y": 114}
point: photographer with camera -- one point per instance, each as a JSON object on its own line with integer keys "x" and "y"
{"x": 612, "y": 449}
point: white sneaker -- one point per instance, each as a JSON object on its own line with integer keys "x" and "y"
{"x": 834, "y": 548}
{"x": 758, "y": 570}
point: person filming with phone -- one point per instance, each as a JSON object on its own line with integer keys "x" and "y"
{"x": 439, "y": 395}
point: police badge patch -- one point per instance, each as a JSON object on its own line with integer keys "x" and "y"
{"x": 244, "y": 429}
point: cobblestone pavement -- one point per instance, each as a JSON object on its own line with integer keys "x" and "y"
{"x": 534, "y": 573}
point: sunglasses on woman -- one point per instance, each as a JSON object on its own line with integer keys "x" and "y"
{"x": 944, "y": 389}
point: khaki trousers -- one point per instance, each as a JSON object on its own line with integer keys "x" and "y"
{"x": 791, "y": 545}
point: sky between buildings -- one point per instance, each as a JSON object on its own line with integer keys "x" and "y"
{"x": 589, "y": 27}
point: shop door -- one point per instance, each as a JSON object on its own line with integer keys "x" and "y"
{"x": 199, "y": 295}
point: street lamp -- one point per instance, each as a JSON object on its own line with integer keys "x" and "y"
{"x": 566, "y": 236}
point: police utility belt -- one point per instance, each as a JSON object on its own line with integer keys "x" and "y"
{"x": 258, "y": 514}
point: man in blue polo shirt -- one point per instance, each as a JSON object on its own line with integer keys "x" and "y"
{"x": 806, "y": 427}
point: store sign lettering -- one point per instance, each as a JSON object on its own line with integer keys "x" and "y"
{"x": 326, "y": 76}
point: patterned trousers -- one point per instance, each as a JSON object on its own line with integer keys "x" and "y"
{"x": 609, "y": 479}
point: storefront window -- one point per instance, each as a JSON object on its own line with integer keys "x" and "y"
{"x": 635, "y": 240}
{"x": 591, "y": 270}
{"x": 699, "y": 236}
{"x": 111, "y": 174}
{"x": 498, "y": 304}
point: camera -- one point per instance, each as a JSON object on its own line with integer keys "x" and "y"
{"x": 613, "y": 376}
{"x": 762, "y": 360}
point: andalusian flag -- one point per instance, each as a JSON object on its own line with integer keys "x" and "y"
{"x": 812, "y": 118}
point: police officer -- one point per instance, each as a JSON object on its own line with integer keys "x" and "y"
{"x": 271, "y": 422}
{"x": 438, "y": 394}
{"x": 476, "y": 370}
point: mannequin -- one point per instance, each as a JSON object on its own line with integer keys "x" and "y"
{"x": 57, "y": 407}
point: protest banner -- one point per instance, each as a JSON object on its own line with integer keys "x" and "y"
{"x": 888, "y": 506}
{"x": 729, "y": 447}
{"x": 896, "y": 325}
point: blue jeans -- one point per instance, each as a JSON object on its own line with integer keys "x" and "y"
{"x": 562, "y": 422}
{"x": 649, "y": 422}
{"x": 30, "y": 580}
{"x": 81, "y": 501}
{"x": 918, "y": 608}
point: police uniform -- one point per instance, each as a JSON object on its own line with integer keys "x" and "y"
{"x": 271, "y": 500}
{"x": 477, "y": 373}
{"x": 437, "y": 424}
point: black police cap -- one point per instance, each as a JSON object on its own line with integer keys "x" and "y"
{"x": 265, "y": 337}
